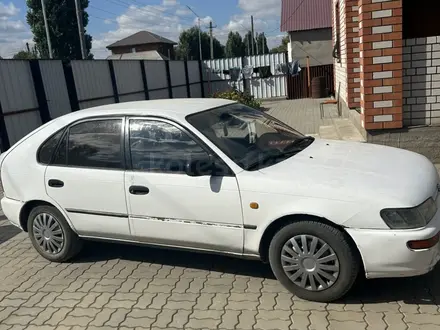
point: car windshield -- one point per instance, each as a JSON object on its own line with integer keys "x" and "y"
{"x": 251, "y": 138}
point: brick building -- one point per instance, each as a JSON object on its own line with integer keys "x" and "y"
{"x": 387, "y": 67}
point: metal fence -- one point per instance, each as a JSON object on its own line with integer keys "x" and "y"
{"x": 260, "y": 87}
{"x": 32, "y": 92}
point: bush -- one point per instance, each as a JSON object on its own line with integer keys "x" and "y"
{"x": 243, "y": 97}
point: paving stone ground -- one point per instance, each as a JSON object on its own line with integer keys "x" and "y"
{"x": 113, "y": 286}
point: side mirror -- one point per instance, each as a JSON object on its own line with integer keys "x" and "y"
{"x": 200, "y": 166}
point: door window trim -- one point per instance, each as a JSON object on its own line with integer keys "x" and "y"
{"x": 179, "y": 126}
{"x": 91, "y": 119}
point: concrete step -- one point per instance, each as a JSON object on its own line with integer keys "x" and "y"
{"x": 347, "y": 131}
{"x": 329, "y": 133}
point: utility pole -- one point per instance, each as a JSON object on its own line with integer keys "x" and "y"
{"x": 212, "y": 40}
{"x": 200, "y": 32}
{"x": 80, "y": 29}
{"x": 263, "y": 44}
{"x": 252, "y": 36}
{"x": 249, "y": 44}
{"x": 46, "y": 27}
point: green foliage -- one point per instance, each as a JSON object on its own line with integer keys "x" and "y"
{"x": 242, "y": 97}
{"x": 261, "y": 41}
{"x": 63, "y": 28}
{"x": 283, "y": 47}
{"x": 188, "y": 47}
{"x": 24, "y": 55}
{"x": 235, "y": 46}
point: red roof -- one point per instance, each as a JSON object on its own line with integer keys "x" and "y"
{"x": 299, "y": 15}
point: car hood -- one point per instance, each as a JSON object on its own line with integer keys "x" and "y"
{"x": 355, "y": 171}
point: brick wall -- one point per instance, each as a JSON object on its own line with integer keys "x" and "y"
{"x": 341, "y": 83}
{"x": 353, "y": 50}
{"x": 381, "y": 49}
{"x": 421, "y": 88}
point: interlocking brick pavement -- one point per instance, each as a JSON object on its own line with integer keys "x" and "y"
{"x": 112, "y": 286}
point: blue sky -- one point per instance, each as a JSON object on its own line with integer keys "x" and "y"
{"x": 111, "y": 20}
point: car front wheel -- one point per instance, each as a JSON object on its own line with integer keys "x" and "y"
{"x": 314, "y": 261}
{"x": 51, "y": 235}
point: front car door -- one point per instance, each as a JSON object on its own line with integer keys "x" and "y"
{"x": 86, "y": 178}
{"x": 167, "y": 206}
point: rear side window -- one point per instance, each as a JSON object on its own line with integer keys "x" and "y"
{"x": 48, "y": 148}
{"x": 95, "y": 144}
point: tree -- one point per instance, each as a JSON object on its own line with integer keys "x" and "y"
{"x": 247, "y": 40}
{"x": 235, "y": 46}
{"x": 63, "y": 28}
{"x": 283, "y": 47}
{"x": 24, "y": 55}
{"x": 261, "y": 41}
{"x": 189, "y": 45}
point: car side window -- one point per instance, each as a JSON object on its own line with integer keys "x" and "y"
{"x": 92, "y": 144}
{"x": 157, "y": 146}
{"x": 48, "y": 148}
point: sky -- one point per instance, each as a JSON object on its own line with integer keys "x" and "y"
{"x": 112, "y": 20}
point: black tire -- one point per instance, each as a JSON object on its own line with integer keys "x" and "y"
{"x": 349, "y": 260}
{"x": 72, "y": 243}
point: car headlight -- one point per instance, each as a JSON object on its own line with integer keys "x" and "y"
{"x": 410, "y": 218}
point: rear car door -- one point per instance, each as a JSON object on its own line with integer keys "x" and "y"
{"x": 86, "y": 178}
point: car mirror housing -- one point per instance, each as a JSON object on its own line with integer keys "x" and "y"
{"x": 200, "y": 166}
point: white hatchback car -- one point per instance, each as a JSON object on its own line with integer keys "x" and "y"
{"x": 216, "y": 176}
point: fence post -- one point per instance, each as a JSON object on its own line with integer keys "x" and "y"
{"x": 188, "y": 87}
{"x": 202, "y": 83}
{"x": 144, "y": 80}
{"x": 71, "y": 87}
{"x": 40, "y": 93}
{"x": 113, "y": 78}
{"x": 4, "y": 138}
{"x": 170, "y": 87}
{"x": 243, "y": 64}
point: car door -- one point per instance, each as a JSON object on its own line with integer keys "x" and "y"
{"x": 169, "y": 207}
{"x": 86, "y": 178}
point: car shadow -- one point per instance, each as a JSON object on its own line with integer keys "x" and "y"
{"x": 420, "y": 290}
{"x": 7, "y": 231}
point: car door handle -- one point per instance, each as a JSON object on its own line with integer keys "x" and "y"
{"x": 138, "y": 190}
{"x": 56, "y": 183}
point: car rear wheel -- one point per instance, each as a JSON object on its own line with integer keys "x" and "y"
{"x": 51, "y": 235}
{"x": 314, "y": 261}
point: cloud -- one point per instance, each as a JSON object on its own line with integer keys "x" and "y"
{"x": 261, "y": 8}
{"x": 183, "y": 12}
{"x": 8, "y": 10}
{"x": 13, "y": 32}
{"x": 203, "y": 20}
{"x": 266, "y": 19}
{"x": 169, "y": 3}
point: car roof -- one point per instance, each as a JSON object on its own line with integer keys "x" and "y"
{"x": 171, "y": 108}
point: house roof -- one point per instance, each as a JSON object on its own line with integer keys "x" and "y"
{"x": 300, "y": 15}
{"x": 141, "y": 38}
{"x": 146, "y": 55}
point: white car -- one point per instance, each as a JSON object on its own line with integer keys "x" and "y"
{"x": 216, "y": 176}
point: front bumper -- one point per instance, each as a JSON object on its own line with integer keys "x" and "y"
{"x": 385, "y": 252}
